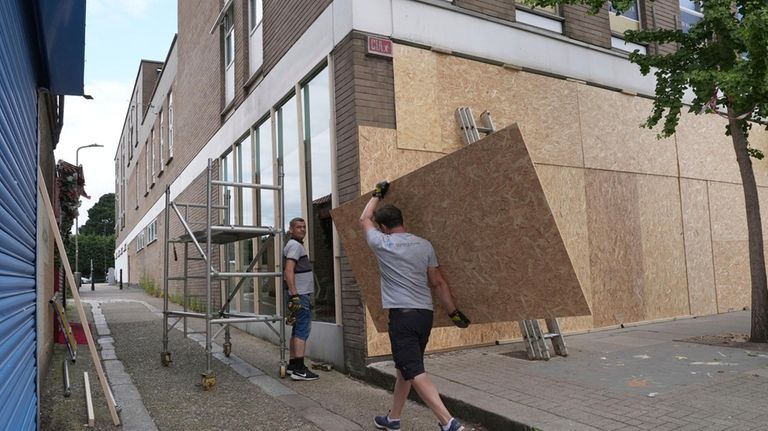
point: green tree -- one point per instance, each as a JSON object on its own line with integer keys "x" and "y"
{"x": 723, "y": 61}
{"x": 101, "y": 217}
{"x": 100, "y": 249}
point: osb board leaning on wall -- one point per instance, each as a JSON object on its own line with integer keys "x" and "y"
{"x": 485, "y": 212}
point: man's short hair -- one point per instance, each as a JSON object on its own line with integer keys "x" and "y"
{"x": 389, "y": 216}
{"x": 295, "y": 220}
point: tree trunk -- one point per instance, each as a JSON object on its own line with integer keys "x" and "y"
{"x": 759, "y": 326}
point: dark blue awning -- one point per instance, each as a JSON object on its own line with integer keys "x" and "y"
{"x": 62, "y": 33}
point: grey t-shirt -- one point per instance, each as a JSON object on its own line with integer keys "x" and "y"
{"x": 295, "y": 251}
{"x": 403, "y": 262}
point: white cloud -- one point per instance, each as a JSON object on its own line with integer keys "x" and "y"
{"x": 94, "y": 121}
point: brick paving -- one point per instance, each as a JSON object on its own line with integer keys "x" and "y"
{"x": 647, "y": 380}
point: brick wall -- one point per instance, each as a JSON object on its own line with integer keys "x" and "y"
{"x": 665, "y": 15}
{"x": 284, "y": 22}
{"x": 502, "y": 9}
{"x": 364, "y": 97}
{"x": 593, "y": 29}
{"x": 149, "y": 75}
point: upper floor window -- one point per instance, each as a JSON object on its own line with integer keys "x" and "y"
{"x": 152, "y": 146}
{"x": 170, "y": 126}
{"x": 152, "y": 232}
{"x": 162, "y": 142}
{"x": 255, "y": 13}
{"x": 627, "y": 20}
{"x": 228, "y": 24}
{"x": 229, "y": 37}
{"x": 544, "y": 17}
{"x": 690, "y": 14}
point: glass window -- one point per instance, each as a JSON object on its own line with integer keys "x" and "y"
{"x": 690, "y": 14}
{"x": 265, "y": 214}
{"x": 245, "y": 175}
{"x": 162, "y": 142}
{"x": 228, "y": 174}
{"x": 146, "y": 166}
{"x": 317, "y": 119}
{"x": 170, "y": 126}
{"x": 152, "y": 145}
{"x": 630, "y": 13}
{"x": 255, "y": 13}
{"x": 229, "y": 37}
{"x": 288, "y": 141}
{"x": 627, "y": 20}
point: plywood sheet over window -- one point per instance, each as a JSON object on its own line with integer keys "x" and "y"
{"x": 496, "y": 239}
{"x": 636, "y": 247}
{"x": 381, "y": 159}
{"x": 429, "y": 87}
{"x": 698, "y": 246}
{"x": 612, "y": 136}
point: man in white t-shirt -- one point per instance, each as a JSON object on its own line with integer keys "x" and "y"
{"x": 299, "y": 282}
{"x": 409, "y": 268}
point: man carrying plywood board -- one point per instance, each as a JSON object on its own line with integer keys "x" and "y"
{"x": 408, "y": 267}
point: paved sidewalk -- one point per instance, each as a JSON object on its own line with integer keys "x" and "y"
{"x": 636, "y": 378}
{"x": 248, "y": 394}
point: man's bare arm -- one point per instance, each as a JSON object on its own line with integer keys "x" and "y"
{"x": 366, "y": 218}
{"x": 290, "y": 276}
{"x": 440, "y": 286}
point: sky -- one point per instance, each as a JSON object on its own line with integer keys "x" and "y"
{"x": 118, "y": 34}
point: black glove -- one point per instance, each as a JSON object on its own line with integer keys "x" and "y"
{"x": 381, "y": 189}
{"x": 294, "y": 305}
{"x": 459, "y": 319}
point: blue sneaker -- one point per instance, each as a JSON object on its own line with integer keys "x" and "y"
{"x": 454, "y": 426}
{"x": 383, "y": 423}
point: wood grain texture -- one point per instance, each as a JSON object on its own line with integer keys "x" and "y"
{"x": 698, "y": 247}
{"x": 485, "y": 212}
{"x": 613, "y": 139}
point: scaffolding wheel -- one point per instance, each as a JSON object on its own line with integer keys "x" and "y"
{"x": 282, "y": 371}
{"x": 208, "y": 380}
{"x": 227, "y": 349}
{"x": 165, "y": 358}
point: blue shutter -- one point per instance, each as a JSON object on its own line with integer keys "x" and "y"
{"x": 18, "y": 220}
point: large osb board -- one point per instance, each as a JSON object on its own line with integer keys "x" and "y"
{"x": 730, "y": 246}
{"x": 495, "y": 236}
{"x": 613, "y": 139}
{"x": 545, "y": 109}
{"x": 704, "y": 151}
{"x": 637, "y": 260}
{"x": 380, "y": 157}
{"x": 698, "y": 247}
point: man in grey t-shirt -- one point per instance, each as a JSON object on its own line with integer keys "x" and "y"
{"x": 300, "y": 284}
{"x": 409, "y": 268}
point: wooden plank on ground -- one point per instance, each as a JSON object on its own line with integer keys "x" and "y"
{"x": 89, "y": 400}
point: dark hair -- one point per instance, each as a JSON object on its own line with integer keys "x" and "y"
{"x": 389, "y": 216}
{"x": 295, "y": 220}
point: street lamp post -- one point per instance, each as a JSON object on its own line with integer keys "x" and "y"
{"x": 77, "y": 217}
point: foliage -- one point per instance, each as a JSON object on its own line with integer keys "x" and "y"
{"x": 101, "y": 217}
{"x": 100, "y": 248}
{"x": 148, "y": 284}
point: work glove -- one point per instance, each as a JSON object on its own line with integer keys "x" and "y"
{"x": 294, "y": 305}
{"x": 381, "y": 189}
{"x": 459, "y": 319}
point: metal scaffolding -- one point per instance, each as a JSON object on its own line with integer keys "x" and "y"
{"x": 219, "y": 230}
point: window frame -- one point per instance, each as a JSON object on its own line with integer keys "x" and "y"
{"x": 170, "y": 127}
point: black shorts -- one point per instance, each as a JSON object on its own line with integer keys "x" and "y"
{"x": 409, "y": 330}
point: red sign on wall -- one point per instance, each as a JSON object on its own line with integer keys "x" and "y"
{"x": 379, "y": 46}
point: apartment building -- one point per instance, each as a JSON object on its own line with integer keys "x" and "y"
{"x": 347, "y": 92}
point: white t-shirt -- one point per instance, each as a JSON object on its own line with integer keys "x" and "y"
{"x": 295, "y": 251}
{"x": 403, "y": 262}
